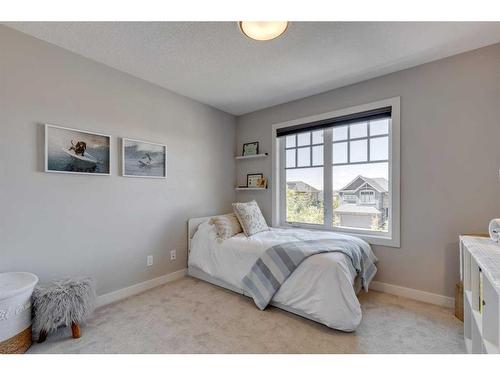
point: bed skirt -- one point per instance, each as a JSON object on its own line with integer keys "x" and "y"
{"x": 202, "y": 275}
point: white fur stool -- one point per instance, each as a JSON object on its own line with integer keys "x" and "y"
{"x": 62, "y": 303}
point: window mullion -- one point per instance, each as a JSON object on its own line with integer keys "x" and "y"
{"x": 348, "y": 144}
{"x": 368, "y": 141}
{"x": 310, "y": 149}
{"x": 327, "y": 177}
{"x": 296, "y": 150}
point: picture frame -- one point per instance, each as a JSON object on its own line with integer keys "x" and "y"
{"x": 251, "y": 148}
{"x": 262, "y": 183}
{"x": 253, "y": 179}
{"x": 76, "y": 151}
{"x": 143, "y": 159}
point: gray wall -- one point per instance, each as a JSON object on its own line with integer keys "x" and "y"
{"x": 450, "y": 159}
{"x": 59, "y": 225}
{"x": 106, "y": 226}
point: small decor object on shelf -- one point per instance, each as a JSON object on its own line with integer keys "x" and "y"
{"x": 262, "y": 183}
{"x": 251, "y": 148}
{"x": 62, "y": 303}
{"x": 143, "y": 159}
{"x": 253, "y": 179}
{"x": 76, "y": 151}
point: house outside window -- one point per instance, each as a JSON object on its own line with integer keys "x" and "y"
{"x": 343, "y": 176}
{"x": 370, "y": 210}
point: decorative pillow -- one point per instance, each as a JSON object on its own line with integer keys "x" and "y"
{"x": 226, "y": 226}
{"x": 250, "y": 218}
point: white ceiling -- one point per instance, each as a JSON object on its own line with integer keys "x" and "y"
{"x": 214, "y": 63}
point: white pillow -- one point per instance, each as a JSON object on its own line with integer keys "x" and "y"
{"x": 250, "y": 218}
{"x": 226, "y": 226}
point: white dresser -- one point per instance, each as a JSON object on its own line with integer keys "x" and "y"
{"x": 480, "y": 273}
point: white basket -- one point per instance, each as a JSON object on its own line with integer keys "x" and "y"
{"x": 15, "y": 302}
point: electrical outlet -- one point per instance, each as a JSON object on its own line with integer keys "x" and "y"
{"x": 149, "y": 260}
{"x": 173, "y": 254}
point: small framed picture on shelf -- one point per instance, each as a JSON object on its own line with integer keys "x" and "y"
{"x": 262, "y": 183}
{"x": 250, "y": 149}
{"x": 253, "y": 179}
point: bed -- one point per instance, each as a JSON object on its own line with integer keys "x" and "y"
{"x": 323, "y": 288}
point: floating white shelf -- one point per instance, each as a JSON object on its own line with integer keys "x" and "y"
{"x": 247, "y": 188}
{"x": 251, "y": 156}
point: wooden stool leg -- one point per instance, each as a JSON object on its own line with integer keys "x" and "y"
{"x": 75, "y": 330}
{"x": 42, "y": 336}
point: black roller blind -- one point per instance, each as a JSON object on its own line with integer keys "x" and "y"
{"x": 373, "y": 114}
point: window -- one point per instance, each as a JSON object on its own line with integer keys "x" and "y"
{"x": 365, "y": 170}
{"x": 349, "y": 198}
{"x": 340, "y": 171}
{"x": 304, "y": 177}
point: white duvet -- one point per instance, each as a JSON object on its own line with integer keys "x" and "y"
{"x": 321, "y": 287}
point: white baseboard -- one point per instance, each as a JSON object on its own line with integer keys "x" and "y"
{"x": 418, "y": 295}
{"x": 415, "y": 294}
{"x": 120, "y": 294}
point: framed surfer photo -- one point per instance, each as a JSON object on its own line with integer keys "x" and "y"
{"x": 76, "y": 151}
{"x": 143, "y": 159}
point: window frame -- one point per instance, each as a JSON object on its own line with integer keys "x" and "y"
{"x": 392, "y": 237}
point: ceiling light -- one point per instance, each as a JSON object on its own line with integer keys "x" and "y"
{"x": 263, "y": 30}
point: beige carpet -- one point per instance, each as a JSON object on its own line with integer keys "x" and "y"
{"x": 191, "y": 316}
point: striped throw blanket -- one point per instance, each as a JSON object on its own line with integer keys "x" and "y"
{"x": 272, "y": 269}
